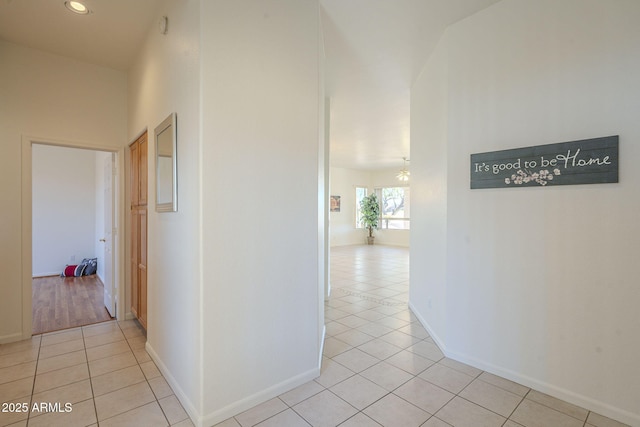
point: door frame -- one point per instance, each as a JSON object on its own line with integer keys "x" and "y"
{"x": 27, "y": 226}
{"x": 110, "y": 173}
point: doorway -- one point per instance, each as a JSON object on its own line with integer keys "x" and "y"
{"x": 35, "y": 218}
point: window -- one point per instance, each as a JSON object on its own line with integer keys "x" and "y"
{"x": 361, "y": 193}
{"x": 395, "y": 203}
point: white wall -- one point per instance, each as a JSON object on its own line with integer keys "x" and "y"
{"x": 52, "y": 97}
{"x": 64, "y": 208}
{"x": 165, "y": 78}
{"x": 68, "y": 207}
{"x": 427, "y": 293}
{"x": 540, "y": 284}
{"x": 260, "y": 108}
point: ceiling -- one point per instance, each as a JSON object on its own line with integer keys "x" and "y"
{"x": 110, "y": 36}
{"x": 374, "y": 49}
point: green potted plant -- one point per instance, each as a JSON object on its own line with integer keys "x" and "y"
{"x": 370, "y": 211}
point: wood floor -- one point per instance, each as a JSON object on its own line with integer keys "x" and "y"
{"x": 67, "y": 302}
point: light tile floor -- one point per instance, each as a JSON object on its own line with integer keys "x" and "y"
{"x": 102, "y": 371}
{"x": 381, "y": 368}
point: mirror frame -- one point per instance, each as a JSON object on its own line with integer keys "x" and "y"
{"x": 167, "y": 125}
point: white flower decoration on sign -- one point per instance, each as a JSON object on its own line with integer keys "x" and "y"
{"x": 524, "y": 177}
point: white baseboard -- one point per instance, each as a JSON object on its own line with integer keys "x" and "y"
{"x": 40, "y": 275}
{"x": 324, "y": 334}
{"x": 260, "y": 397}
{"x": 182, "y": 397}
{"x": 533, "y": 383}
{"x": 6, "y": 339}
{"x": 236, "y": 407}
{"x": 435, "y": 337}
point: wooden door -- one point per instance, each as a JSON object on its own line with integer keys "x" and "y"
{"x": 138, "y": 221}
{"x": 109, "y": 213}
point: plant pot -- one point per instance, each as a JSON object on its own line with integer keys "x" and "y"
{"x": 370, "y": 240}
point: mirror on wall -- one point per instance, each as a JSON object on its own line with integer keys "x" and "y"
{"x": 166, "y": 165}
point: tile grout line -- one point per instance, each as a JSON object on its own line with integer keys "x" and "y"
{"x": 93, "y": 396}
{"x": 82, "y": 331}
{"x": 89, "y": 370}
{"x": 145, "y": 375}
{"x": 387, "y": 392}
{"x": 106, "y": 373}
{"x": 33, "y": 386}
{"x": 554, "y": 409}
{"x": 417, "y": 375}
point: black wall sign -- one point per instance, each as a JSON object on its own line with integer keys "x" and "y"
{"x": 589, "y": 161}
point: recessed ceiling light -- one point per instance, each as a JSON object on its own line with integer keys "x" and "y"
{"x": 77, "y": 7}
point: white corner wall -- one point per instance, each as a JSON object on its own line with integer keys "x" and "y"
{"x": 260, "y": 203}
{"x": 428, "y": 255}
{"x": 64, "y": 207}
{"x": 54, "y": 98}
{"x": 165, "y": 78}
{"x": 540, "y": 284}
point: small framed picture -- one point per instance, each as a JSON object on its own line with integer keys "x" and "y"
{"x": 335, "y": 203}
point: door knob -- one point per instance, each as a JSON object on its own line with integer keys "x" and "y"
{"x": 102, "y": 240}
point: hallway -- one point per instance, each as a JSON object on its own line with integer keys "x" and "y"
{"x": 381, "y": 368}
